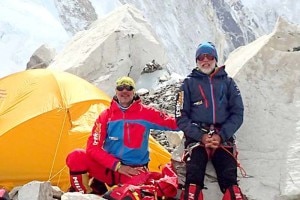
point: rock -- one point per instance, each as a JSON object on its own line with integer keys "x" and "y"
{"x": 163, "y": 98}
{"x": 76, "y": 15}
{"x": 36, "y": 190}
{"x": 57, "y": 193}
{"x": 78, "y": 195}
{"x": 119, "y": 44}
{"x": 13, "y": 194}
{"x": 142, "y": 91}
{"x": 151, "y": 67}
{"x": 41, "y": 58}
{"x": 174, "y": 137}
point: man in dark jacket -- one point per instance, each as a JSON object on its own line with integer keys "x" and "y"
{"x": 209, "y": 110}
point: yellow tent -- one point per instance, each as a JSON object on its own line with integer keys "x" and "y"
{"x": 43, "y": 116}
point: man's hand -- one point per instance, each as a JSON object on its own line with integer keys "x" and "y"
{"x": 211, "y": 141}
{"x": 130, "y": 171}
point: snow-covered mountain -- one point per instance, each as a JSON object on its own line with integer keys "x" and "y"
{"x": 25, "y": 25}
{"x": 266, "y": 12}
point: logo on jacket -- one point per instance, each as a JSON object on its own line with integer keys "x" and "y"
{"x": 113, "y": 138}
{"x": 95, "y": 138}
{"x": 179, "y": 104}
{"x": 96, "y": 134}
{"x": 198, "y": 103}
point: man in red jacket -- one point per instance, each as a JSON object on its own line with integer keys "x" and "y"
{"x": 117, "y": 149}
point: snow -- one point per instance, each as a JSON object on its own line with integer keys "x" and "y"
{"x": 267, "y": 75}
{"x": 25, "y": 26}
{"x": 284, "y": 8}
{"x": 103, "y": 7}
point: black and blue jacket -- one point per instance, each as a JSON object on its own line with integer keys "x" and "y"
{"x": 209, "y": 99}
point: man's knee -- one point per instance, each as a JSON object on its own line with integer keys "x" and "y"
{"x": 77, "y": 160}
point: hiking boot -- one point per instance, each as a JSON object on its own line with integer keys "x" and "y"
{"x": 80, "y": 182}
{"x": 233, "y": 193}
{"x": 192, "y": 192}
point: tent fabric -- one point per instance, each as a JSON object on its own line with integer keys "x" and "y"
{"x": 159, "y": 156}
{"x": 44, "y": 115}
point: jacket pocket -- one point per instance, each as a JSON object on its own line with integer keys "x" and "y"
{"x": 134, "y": 135}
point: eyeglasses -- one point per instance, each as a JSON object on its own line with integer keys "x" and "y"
{"x": 126, "y": 87}
{"x": 208, "y": 56}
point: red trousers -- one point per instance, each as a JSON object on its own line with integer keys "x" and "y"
{"x": 80, "y": 163}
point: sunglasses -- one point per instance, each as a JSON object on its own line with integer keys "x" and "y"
{"x": 208, "y": 56}
{"x": 126, "y": 87}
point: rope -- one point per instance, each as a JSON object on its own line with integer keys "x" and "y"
{"x": 242, "y": 170}
{"x": 57, "y": 173}
{"x": 58, "y": 142}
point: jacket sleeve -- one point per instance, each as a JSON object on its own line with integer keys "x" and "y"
{"x": 161, "y": 120}
{"x": 182, "y": 113}
{"x": 96, "y": 141}
{"x": 236, "y": 109}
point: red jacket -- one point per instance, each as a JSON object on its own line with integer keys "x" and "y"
{"x": 123, "y": 135}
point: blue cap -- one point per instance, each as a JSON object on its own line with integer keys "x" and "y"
{"x": 208, "y": 48}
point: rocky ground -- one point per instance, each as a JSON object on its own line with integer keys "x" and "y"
{"x": 163, "y": 99}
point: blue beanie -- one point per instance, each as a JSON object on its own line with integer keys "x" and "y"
{"x": 208, "y": 48}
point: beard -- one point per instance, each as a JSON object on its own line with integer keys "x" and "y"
{"x": 206, "y": 70}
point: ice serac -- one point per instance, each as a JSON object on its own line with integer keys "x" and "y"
{"x": 119, "y": 44}
{"x": 268, "y": 74}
